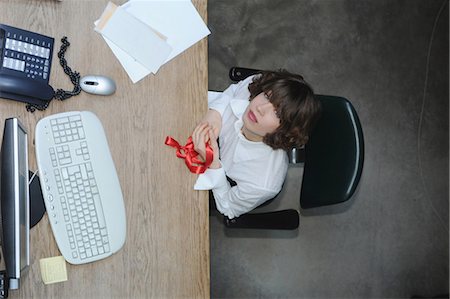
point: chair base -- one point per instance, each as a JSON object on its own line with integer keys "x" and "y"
{"x": 282, "y": 220}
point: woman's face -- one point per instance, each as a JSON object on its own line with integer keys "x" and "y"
{"x": 260, "y": 118}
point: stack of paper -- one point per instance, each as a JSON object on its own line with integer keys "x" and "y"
{"x": 145, "y": 34}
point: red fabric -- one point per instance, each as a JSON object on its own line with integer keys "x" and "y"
{"x": 189, "y": 155}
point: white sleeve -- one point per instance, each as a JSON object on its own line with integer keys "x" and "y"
{"x": 210, "y": 179}
{"x": 232, "y": 201}
{"x": 240, "y": 199}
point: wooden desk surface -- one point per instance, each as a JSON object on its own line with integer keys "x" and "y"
{"x": 166, "y": 254}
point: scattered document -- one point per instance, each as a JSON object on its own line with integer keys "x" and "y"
{"x": 53, "y": 269}
{"x": 176, "y": 22}
{"x": 134, "y": 37}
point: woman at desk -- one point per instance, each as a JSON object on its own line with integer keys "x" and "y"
{"x": 255, "y": 121}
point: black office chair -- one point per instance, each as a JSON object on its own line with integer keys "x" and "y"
{"x": 333, "y": 160}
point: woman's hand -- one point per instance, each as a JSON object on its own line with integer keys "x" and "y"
{"x": 214, "y": 119}
{"x": 203, "y": 134}
{"x": 215, "y": 147}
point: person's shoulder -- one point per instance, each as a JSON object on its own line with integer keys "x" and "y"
{"x": 282, "y": 159}
{"x": 242, "y": 87}
{"x": 272, "y": 170}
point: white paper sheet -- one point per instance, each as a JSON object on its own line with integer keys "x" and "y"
{"x": 134, "y": 69}
{"x": 178, "y": 20}
{"x": 134, "y": 37}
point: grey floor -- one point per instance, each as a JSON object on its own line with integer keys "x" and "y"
{"x": 390, "y": 59}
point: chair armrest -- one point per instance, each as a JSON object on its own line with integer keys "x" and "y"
{"x": 296, "y": 155}
{"x": 285, "y": 220}
{"x": 240, "y": 73}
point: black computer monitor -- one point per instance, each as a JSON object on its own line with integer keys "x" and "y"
{"x": 15, "y": 201}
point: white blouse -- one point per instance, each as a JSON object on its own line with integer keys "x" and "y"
{"x": 258, "y": 170}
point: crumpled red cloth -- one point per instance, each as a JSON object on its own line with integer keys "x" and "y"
{"x": 189, "y": 155}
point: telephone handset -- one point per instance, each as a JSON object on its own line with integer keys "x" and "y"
{"x": 24, "y": 89}
{"x": 25, "y": 62}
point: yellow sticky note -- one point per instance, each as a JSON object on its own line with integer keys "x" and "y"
{"x": 53, "y": 269}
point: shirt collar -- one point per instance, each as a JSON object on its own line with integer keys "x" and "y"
{"x": 246, "y": 149}
{"x": 238, "y": 107}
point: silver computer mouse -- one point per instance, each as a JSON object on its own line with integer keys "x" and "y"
{"x": 96, "y": 84}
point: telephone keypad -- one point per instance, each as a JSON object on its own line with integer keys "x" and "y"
{"x": 28, "y": 55}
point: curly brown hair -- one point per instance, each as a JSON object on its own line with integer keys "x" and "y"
{"x": 295, "y": 104}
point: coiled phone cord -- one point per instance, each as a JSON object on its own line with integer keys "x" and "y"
{"x": 61, "y": 94}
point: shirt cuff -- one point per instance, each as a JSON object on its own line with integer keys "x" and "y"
{"x": 211, "y": 178}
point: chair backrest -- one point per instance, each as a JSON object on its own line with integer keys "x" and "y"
{"x": 334, "y": 155}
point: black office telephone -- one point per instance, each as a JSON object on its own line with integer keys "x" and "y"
{"x": 25, "y": 63}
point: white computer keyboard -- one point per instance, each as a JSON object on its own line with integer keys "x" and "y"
{"x": 80, "y": 186}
